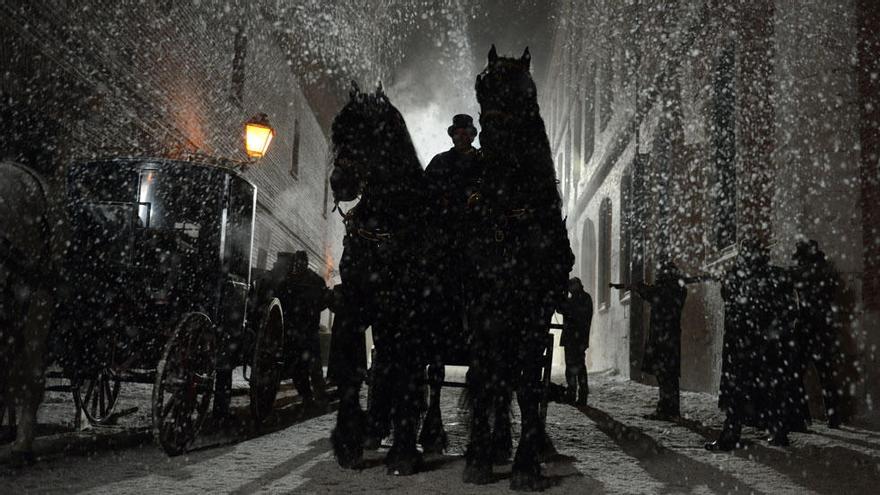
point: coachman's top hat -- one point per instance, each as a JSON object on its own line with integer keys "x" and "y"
{"x": 462, "y": 121}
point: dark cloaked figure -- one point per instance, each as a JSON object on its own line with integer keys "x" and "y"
{"x": 450, "y": 179}
{"x": 303, "y": 295}
{"x": 577, "y": 313}
{"x": 663, "y": 350}
{"x": 761, "y": 382}
{"x": 816, "y": 283}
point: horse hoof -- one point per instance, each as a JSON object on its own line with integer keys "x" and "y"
{"x": 349, "y": 455}
{"x": 435, "y": 445}
{"x": 529, "y": 482}
{"x": 477, "y": 475}
{"x": 721, "y": 445}
{"x": 372, "y": 443}
{"x": 350, "y": 461}
{"x": 501, "y": 456}
{"x": 779, "y": 441}
{"x": 21, "y": 458}
{"x": 405, "y": 466}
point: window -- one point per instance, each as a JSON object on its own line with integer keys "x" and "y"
{"x": 724, "y": 148}
{"x": 239, "y": 227}
{"x": 262, "y": 258}
{"x": 238, "y": 72}
{"x": 588, "y": 257}
{"x": 604, "y": 253}
{"x": 606, "y": 92}
{"x": 294, "y": 154}
{"x": 589, "y": 117}
{"x": 626, "y": 223}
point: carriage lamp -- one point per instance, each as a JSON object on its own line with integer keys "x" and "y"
{"x": 257, "y": 135}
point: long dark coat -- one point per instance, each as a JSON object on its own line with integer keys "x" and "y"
{"x": 742, "y": 344}
{"x": 783, "y": 360}
{"x": 577, "y": 313}
{"x": 303, "y": 296}
{"x": 816, "y": 284}
{"x": 761, "y": 375}
{"x": 663, "y": 350}
{"x": 450, "y": 179}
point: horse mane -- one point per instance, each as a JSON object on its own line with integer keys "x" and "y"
{"x": 373, "y": 125}
{"x": 514, "y": 138}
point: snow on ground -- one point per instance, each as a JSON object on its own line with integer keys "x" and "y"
{"x": 607, "y": 447}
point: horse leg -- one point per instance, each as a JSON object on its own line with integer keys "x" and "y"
{"x": 380, "y": 397}
{"x": 433, "y": 436}
{"x": 347, "y": 436}
{"x": 526, "y": 474}
{"x": 30, "y": 369}
{"x": 478, "y": 458}
{"x": 502, "y": 438}
{"x": 404, "y": 458}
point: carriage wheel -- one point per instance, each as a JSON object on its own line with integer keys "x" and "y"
{"x": 184, "y": 383}
{"x": 96, "y": 397}
{"x": 268, "y": 362}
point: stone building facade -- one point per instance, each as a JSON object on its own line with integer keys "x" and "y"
{"x": 683, "y": 128}
{"x": 179, "y": 79}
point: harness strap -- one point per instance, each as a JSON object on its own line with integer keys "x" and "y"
{"x": 374, "y": 236}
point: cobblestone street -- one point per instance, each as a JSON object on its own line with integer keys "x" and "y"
{"x": 607, "y": 447}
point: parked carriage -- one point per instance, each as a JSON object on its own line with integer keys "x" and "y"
{"x": 159, "y": 290}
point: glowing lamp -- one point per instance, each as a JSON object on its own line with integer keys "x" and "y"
{"x": 257, "y": 135}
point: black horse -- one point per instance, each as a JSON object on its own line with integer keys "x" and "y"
{"x": 382, "y": 272}
{"x": 520, "y": 259}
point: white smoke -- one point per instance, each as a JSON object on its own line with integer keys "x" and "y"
{"x": 436, "y": 81}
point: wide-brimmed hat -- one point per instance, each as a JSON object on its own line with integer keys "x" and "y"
{"x": 462, "y": 121}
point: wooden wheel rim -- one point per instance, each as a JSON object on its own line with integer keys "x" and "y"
{"x": 97, "y": 396}
{"x": 184, "y": 383}
{"x": 266, "y": 368}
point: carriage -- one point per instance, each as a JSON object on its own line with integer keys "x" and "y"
{"x": 159, "y": 290}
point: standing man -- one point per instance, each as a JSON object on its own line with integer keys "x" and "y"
{"x": 663, "y": 351}
{"x": 577, "y": 313}
{"x": 755, "y": 388}
{"x": 303, "y": 296}
{"x": 816, "y": 283}
{"x": 450, "y": 178}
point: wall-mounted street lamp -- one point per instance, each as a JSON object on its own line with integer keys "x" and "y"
{"x": 257, "y": 135}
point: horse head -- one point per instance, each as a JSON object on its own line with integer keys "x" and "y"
{"x": 368, "y": 136}
{"x": 506, "y": 93}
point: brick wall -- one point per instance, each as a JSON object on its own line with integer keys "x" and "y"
{"x": 129, "y": 78}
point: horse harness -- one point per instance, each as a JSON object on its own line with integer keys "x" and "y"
{"x": 376, "y": 236}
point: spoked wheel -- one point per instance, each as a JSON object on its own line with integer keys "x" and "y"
{"x": 184, "y": 383}
{"x": 268, "y": 362}
{"x": 96, "y": 396}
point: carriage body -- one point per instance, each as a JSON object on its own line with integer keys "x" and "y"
{"x": 157, "y": 282}
{"x": 152, "y": 240}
